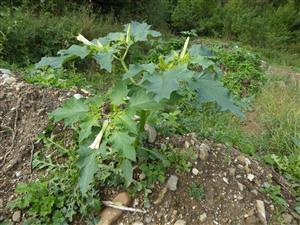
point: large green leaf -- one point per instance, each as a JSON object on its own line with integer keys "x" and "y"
{"x": 118, "y": 93}
{"x": 75, "y": 50}
{"x": 199, "y": 50}
{"x": 143, "y": 101}
{"x": 203, "y": 61}
{"x": 164, "y": 83}
{"x": 126, "y": 120}
{"x": 136, "y": 69}
{"x": 127, "y": 171}
{"x": 214, "y": 91}
{"x": 54, "y": 62}
{"x": 105, "y": 58}
{"x": 65, "y": 55}
{"x": 87, "y": 125}
{"x": 116, "y": 36}
{"x": 72, "y": 111}
{"x": 140, "y": 31}
{"x": 88, "y": 167}
{"x": 123, "y": 143}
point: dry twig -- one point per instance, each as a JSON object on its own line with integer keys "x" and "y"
{"x": 124, "y": 208}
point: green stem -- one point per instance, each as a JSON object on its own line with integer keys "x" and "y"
{"x": 64, "y": 150}
{"x": 125, "y": 53}
{"x": 143, "y": 118}
{"x": 124, "y": 65}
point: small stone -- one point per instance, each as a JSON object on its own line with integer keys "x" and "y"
{"x": 18, "y": 174}
{"x": 287, "y": 218}
{"x": 152, "y": 134}
{"x": 225, "y": 180}
{"x": 78, "y": 96}
{"x": 16, "y": 217}
{"x": 1, "y": 203}
{"x": 203, "y": 151}
{"x": 203, "y": 217}
{"x": 255, "y": 192}
{"x": 142, "y": 176}
{"x": 138, "y": 223}
{"x": 240, "y": 197}
{"x": 241, "y": 158}
{"x": 260, "y": 206}
{"x": 232, "y": 172}
{"x": 161, "y": 195}
{"x": 136, "y": 202}
{"x": 195, "y": 171}
{"x": 180, "y": 222}
{"x": 186, "y": 144}
{"x": 257, "y": 182}
{"x": 241, "y": 186}
{"x": 250, "y": 177}
{"x": 247, "y": 161}
{"x": 148, "y": 219}
{"x": 247, "y": 169}
{"x": 266, "y": 185}
{"x": 172, "y": 183}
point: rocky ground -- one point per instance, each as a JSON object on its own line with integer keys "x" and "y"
{"x": 231, "y": 181}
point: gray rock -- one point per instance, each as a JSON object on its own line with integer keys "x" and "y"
{"x": 16, "y": 217}
{"x": 203, "y": 217}
{"x": 203, "y": 151}
{"x": 260, "y": 206}
{"x": 232, "y": 172}
{"x": 5, "y": 71}
{"x": 172, "y": 183}
{"x": 180, "y": 222}
{"x": 18, "y": 174}
{"x": 77, "y": 96}
{"x": 195, "y": 171}
{"x": 148, "y": 219}
{"x": 241, "y": 186}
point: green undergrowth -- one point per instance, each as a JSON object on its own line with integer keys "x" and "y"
{"x": 279, "y": 117}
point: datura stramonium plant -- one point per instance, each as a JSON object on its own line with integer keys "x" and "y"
{"x": 144, "y": 90}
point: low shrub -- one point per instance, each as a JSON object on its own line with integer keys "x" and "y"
{"x": 243, "y": 73}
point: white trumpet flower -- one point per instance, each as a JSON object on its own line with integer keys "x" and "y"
{"x": 96, "y": 143}
{"x": 81, "y": 38}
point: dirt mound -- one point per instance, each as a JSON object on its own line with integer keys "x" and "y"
{"x": 23, "y": 115}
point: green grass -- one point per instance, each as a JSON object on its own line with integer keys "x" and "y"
{"x": 278, "y": 110}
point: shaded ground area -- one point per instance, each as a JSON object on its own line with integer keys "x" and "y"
{"x": 231, "y": 182}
